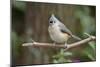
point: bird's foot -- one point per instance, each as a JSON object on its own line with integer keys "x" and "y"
{"x": 65, "y": 45}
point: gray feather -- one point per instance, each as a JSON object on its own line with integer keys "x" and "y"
{"x": 64, "y": 29}
{"x": 75, "y": 37}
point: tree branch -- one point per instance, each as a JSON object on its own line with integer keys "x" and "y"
{"x": 37, "y": 44}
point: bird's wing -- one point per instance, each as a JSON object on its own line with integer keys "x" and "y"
{"x": 64, "y": 29}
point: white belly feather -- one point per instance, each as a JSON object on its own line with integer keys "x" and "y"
{"x": 57, "y": 36}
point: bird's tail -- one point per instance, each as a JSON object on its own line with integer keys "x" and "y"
{"x": 75, "y": 37}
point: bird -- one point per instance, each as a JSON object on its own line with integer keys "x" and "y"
{"x": 58, "y": 32}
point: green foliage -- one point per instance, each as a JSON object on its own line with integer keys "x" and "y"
{"x": 16, "y": 44}
{"x": 20, "y": 5}
{"x": 62, "y": 57}
{"x": 90, "y": 51}
{"x": 88, "y": 24}
{"x": 87, "y": 21}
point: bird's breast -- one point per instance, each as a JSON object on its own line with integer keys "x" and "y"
{"x": 57, "y": 36}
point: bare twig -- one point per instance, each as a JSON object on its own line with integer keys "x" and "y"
{"x": 37, "y": 44}
{"x": 91, "y": 38}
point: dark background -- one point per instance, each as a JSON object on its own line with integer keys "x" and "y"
{"x": 30, "y": 22}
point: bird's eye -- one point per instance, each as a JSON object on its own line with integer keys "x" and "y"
{"x": 51, "y": 21}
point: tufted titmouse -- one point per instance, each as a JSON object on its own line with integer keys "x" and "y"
{"x": 59, "y": 33}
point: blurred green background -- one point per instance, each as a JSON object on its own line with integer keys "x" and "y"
{"x": 30, "y": 22}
